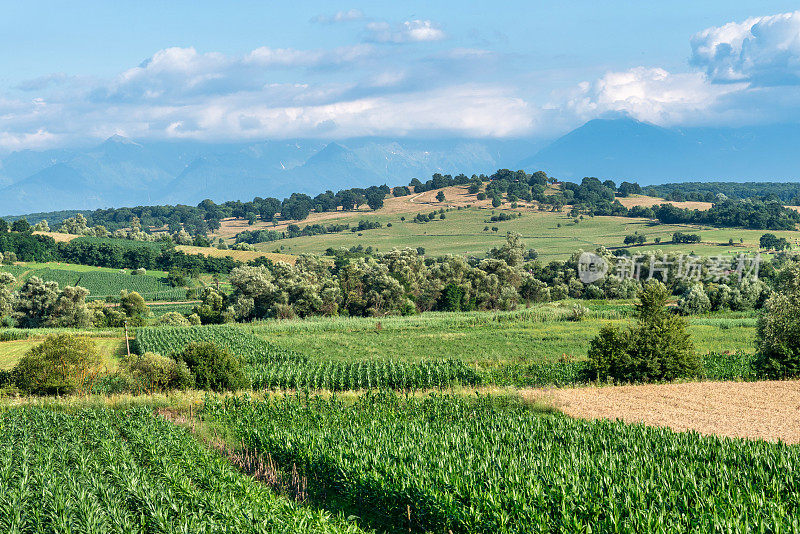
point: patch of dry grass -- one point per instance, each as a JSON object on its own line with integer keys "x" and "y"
{"x": 641, "y": 200}
{"x": 59, "y": 237}
{"x": 768, "y": 410}
{"x": 240, "y": 255}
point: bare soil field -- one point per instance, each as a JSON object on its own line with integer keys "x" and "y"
{"x": 768, "y": 410}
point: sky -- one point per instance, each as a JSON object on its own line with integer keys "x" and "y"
{"x": 76, "y": 72}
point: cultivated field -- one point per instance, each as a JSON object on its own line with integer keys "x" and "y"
{"x": 101, "y": 282}
{"x": 757, "y": 410}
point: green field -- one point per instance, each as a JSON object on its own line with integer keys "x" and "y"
{"x": 462, "y": 232}
{"x": 96, "y": 471}
{"x": 542, "y": 333}
{"x": 101, "y": 282}
{"x": 110, "y": 349}
{"x": 450, "y": 464}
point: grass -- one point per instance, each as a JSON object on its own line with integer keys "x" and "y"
{"x": 481, "y": 339}
{"x": 462, "y": 232}
{"x": 111, "y": 350}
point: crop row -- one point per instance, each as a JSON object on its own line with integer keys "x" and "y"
{"x": 171, "y": 341}
{"x": 131, "y": 472}
{"x": 271, "y": 367}
{"x": 349, "y": 376}
{"x": 105, "y": 283}
{"x": 444, "y": 463}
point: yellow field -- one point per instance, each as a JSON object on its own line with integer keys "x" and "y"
{"x": 59, "y": 238}
{"x": 756, "y": 410}
{"x": 240, "y": 255}
{"x": 111, "y": 350}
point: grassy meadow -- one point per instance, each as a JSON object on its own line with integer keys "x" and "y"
{"x": 111, "y": 349}
{"x": 486, "y": 340}
{"x": 554, "y": 235}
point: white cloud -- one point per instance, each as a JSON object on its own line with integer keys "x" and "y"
{"x": 409, "y": 31}
{"x": 27, "y": 140}
{"x": 760, "y": 50}
{"x": 340, "y": 16}
{"x": 463, "y": 110}
{"x": 650, "y": 94}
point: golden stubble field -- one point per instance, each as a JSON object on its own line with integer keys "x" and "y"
{"x": 768, "y": 410}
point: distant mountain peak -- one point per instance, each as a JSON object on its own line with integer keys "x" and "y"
{"x": 117, "y": 139}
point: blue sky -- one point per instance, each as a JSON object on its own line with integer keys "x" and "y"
{"x": 75, "y": 72}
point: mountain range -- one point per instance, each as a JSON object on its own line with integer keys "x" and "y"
{"x": 125, "y": 172}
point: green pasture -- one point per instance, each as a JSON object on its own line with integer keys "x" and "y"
{"x": 485, "y": 340}
{"x": 462, "y": 232}
{"x": 110, "y": 349}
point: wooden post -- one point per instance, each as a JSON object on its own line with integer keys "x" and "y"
{"x": 127, "y": 342}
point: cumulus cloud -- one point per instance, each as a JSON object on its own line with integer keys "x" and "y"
{"x": 340, "y": 16}
{"x": 465, "y": 110}
{"x": 650, "y": 94}
{"x": 761, "y": 50}
{"x": 184, "y": 72}
{"x": 271, "y": 93}
{"x": 410, "y": 31}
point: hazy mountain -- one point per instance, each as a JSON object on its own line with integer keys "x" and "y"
{"x": 626, "y": 149}
{"x": 123, "y": 172}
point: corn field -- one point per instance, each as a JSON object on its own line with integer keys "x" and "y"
{"x": 444, "y": 463}
{"x": 129, "y": 471}
{"x": 102, "y": 284}
{"x": 271, "y": 367}
{"x": 372, "y": 374}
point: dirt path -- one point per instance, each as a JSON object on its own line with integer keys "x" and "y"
{"x": 758, "y": 410}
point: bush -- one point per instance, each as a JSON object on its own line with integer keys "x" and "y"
{"x": 656, "y": 348}
{"x": 608, "y": 351}
{"x": 778, "y": 329}
{"x": 214, "y": 368}
{"x": 694, "y": 301}
{"x": 152, "y": 372}
{"x": 173, "y": 318}
{"x": 61, "y": 364}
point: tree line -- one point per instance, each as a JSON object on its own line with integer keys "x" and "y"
{"x": 114, "y": 253}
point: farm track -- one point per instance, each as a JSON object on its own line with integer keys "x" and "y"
{"x": 768, "y": 410}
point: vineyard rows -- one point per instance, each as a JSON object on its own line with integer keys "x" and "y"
{"x": 131, "y": 472}
{"x": 443, "y": 463}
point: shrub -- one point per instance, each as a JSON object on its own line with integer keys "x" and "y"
{"x": 694, "y": 301}
{"x": 152, "y": 372}
{"x": 778, "y": 328}
{"x": 607, "y": 351}
{"x": 656, "y": 348}
{"x": 214, "y": 368}
{"x": 61, "y": 364}
{"x": 173, "y": 318}
{"x": 132, "y": 303}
